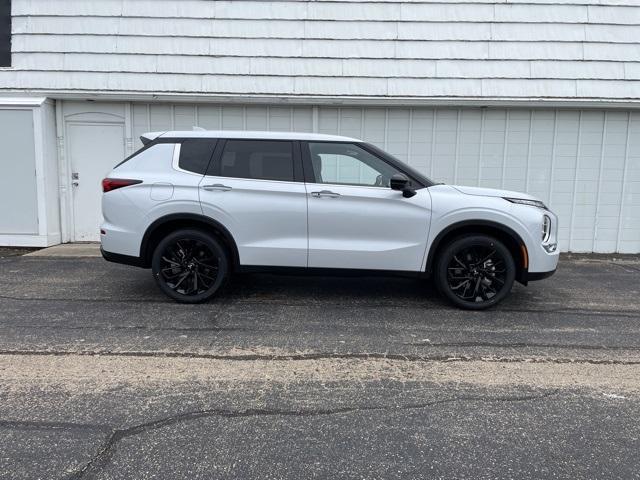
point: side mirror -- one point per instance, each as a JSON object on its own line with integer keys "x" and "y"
{"x": 402, "y": 183}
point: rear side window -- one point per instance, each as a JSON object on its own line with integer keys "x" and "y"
{"x": 257, "y": 159}
{"x": 195, "y": 154}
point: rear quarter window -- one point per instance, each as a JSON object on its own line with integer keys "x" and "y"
{"x": 195, "y": 154}
{"x": 151, "y": 157}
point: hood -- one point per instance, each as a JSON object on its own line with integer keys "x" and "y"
{"x": 492, "y": 192}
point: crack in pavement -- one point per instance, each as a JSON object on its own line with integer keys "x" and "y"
{"x": 103, "y": 456}
{"x": 135, "y": 327}
{"x": 147, "y": 328}
{"x": 625, "y": 266}
{"x": 315, "y": 356}
{"x": 37, "y": 425}
{"x": 371, "y": 305}
{"x": 520, "y": 345}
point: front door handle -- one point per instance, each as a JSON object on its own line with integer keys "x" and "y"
{"x": 325, "y": 193}
{"x": 217, "y": 187}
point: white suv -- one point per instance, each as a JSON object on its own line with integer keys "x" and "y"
{"x": 197, "y": 206}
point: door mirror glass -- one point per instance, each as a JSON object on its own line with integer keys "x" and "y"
{"x": 401, "y": 182}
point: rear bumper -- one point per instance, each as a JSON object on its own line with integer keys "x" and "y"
{"x": 123, "y": 259}
{"x": 533, "y": 276}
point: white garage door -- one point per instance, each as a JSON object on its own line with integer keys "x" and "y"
{"x": 584, "y": 164}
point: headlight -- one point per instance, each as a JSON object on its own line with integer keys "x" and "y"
{"x": 546, "y": 228}
{"x": 525, "y": 201}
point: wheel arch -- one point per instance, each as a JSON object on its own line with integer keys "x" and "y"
{"x": 169, "y": 223}
{"x": 511, "y": 239}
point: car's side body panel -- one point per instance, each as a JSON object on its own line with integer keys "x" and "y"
{"x": 451, "y": 207}
{"x": 130, "y": 211}
{"x": 367, "y": 227}
{"x": 267, "y": 219}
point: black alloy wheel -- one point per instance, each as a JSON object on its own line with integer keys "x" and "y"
{"x": 189, "y": 266}
{"x": 475, "y": 272}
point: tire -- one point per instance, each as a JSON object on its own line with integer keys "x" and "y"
{"x": 190, "y": 265}
{"x": 475, "y": 272}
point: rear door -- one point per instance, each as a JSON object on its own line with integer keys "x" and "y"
{"x": 255, "y": 189}
{"x": 355, "y": 219}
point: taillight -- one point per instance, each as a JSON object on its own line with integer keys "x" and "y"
{"x": 109, "y": 184}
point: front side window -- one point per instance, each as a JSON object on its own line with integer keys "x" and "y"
{"x": 348, "y": 164}
{"x": 195, "y": 154}
{"x": 257, "y": 159}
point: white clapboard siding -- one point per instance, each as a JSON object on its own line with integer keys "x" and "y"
{"x": 586, "y": 50}
{"x": 320, "y": 29}
{"x": 210, "y": 9}
{"x": 584, "y": 163}
{"x": 301, "y": 67}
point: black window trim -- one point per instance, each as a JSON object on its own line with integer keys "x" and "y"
{"x": 298, "y": 176}
{"x": 416, "y": 182}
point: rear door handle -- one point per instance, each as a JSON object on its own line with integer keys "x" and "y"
{"x": 325, "y": 193}
{"x": 217, "y": 187}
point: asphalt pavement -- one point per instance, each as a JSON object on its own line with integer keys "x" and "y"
{"x": 291, "y": 377}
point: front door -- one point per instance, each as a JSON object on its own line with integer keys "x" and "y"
{"x": 94, "y": 149}
{"x": 355, "y": 219}
{"x": 255, "y": 189}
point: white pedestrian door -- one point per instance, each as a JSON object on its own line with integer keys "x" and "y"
{"x": 94, "y": 149}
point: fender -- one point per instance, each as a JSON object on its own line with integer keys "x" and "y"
{"x": 187, "y": 219}
{"x": 465, "y": 224}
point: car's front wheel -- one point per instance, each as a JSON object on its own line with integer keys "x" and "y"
{"x": 475, "y": 272}
{"x": 189, "y": 265}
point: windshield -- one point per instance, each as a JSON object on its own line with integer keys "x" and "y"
{"x": 426, "y": 181}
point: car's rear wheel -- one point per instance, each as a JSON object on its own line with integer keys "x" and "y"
{"x": 475, "y": 272}
{"x": 189, "y": 265}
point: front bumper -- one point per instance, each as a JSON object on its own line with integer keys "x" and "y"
{"x": 533, "y": 276}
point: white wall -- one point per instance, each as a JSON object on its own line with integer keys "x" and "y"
{"x": 584, "y": 163}
{"x": 486, "y": 50}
